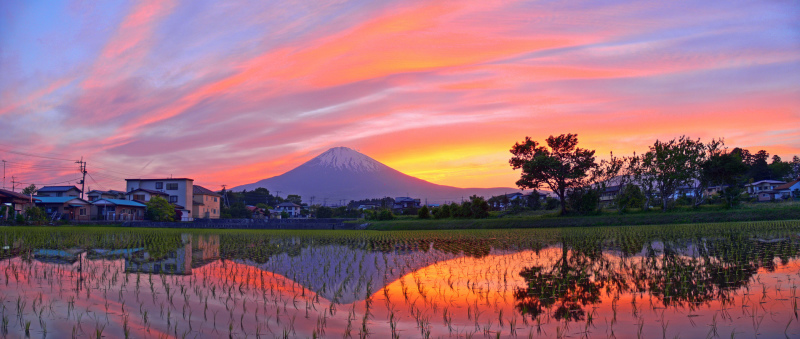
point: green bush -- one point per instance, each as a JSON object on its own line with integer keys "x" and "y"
{"x": 424, "y": 213}
{"x": 324, "y": 212}
{"x": 551, "y": 203}
{"x": 385, "y": 215}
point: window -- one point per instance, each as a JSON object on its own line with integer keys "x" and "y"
{"x": 159, "y": 185}
{"x": 173, "y": 198}
{"x": 59, "y": 194}
{"x": 138, "y": 197}
{"x": 215, "y": 199}
{"x": 82, "y": 211}
{"x": 172, "y": 186}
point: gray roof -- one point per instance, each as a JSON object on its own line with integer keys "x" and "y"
{"x": 57, "y": 188}
{"x": 197, "y": 189}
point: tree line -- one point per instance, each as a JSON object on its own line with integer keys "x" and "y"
{"x": 644, "y": 180}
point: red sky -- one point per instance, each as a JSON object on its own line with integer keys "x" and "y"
{"x": 233, "y": 92}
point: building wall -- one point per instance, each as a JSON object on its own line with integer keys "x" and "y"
{"x": 183, "y": 193}
{"x": 209, "y": 205}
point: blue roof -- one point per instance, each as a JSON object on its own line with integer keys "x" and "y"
{"x": 121, "y": 202}
{"x": 57, "y": 200}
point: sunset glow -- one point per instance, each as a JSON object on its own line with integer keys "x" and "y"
{"x": 228, "y": 93}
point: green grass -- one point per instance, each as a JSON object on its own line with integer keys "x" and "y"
{"x": 550, "y": 219}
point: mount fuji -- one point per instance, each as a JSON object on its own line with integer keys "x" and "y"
{"x": 343, "y": 173}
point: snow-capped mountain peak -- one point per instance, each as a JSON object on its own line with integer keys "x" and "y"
{"x": 343, "y": 158}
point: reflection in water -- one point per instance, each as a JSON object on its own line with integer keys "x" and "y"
{"x": 226, "y": 285}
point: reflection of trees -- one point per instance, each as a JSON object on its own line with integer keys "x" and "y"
{"x": 569, "y": 285}
{"x": 576, "y": 280}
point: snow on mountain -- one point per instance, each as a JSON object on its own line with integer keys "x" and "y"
{"x": 342, "y": 173}
{"x": 346, "y": 159}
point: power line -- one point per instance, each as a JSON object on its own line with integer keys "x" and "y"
{"x": 34, "y": 155}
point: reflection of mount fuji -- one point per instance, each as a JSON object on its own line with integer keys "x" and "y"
{"x": 343, "y": 173}
{"x": 347, "y": 275}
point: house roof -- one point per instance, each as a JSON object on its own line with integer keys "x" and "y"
{"x": 288, "y": 204}
{"x": 57, "y": 188}
{"x": 152, "y": 192}
{"x": 118, "y": 202}
{"x": 59, "y": 200}
{"x": 159, "y": 179}
{"x": 197, "y": 190}
{"x": 15, "y": 195}
{"x": 787, "y": 185}
{"x": 766, "y": 182}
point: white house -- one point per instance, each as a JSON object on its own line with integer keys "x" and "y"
{"x": 289, "y": 207}
{"x": 179, "y": 192}
{"x": 763, "y": 185}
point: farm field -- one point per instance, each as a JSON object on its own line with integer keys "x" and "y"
{"x": 736, "y": 279}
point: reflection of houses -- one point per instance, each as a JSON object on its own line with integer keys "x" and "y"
{"x": 14, "y": 203}
{"x": 196, "y": 251}
{"x": 179, "y": 192}
{"x": 205, "y": 203}
{"x": 289, "y": 207}
{"x": 117, "y": 209}
{"x": 67, "y": 208}
{"x": 58, "y": 191}
{"x": 67, "y": 257}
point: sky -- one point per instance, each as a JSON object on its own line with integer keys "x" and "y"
{"x": 231, "y": 92}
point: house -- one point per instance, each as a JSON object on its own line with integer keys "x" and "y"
{"x": 66, "y": 208}
{"x": 118, "y": 209}
{"x": 180, "y": 192}
{"x": 609, "y": 193}
{"x": 405, "y": 202}
{"x": 763, "y": 185}
{"x": 58, "y": 191}
{"x": 289, "y": 207}
{"x": 788, "y": 190}
{"x": 205, "y": 203}
{"x": 15, "y": 203}
{"x": 256, "y": 213}
{"x": 111, "y": 194}
{"x": 142, "y": 195}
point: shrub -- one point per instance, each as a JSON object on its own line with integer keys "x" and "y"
{"x": 324, "y": 212}
{"x": 385, "y": 215}
{"x": 424, "y": 213}
{"x": 551, "y": 203}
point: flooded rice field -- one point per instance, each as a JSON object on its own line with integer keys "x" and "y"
{"x": 693, "y": 281}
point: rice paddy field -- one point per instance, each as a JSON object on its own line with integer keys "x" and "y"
{"x": 725, "y": 280}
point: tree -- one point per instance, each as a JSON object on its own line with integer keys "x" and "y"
{"x": 796, "y": 167}
{"x": 629, "y": 196}
{"x": 759, "y": 170}
{"x": 726, "y": 170}
{"x": 294, "y": 198}
{"x": 30, "y": 190}
{"x": 669, "y": 165}
{"x": 324, "y": 212}
{"x": 780, "y": 170}
{"x": 640, "y": 167}
{"x": 159, "y": 209}
{"x": 560, "y": 168}
{"x": 424, "y": 213}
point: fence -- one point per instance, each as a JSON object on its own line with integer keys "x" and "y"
{"x": 260, "y": 224}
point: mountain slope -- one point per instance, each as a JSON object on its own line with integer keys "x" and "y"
{"x": 343, "y": 173}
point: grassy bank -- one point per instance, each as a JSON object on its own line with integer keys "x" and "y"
{"x": 759, "y": 212}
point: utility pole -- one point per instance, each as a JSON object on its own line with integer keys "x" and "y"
{"x": 278, "y": 194}
{"x": 4, "y": 174}
{"x": 226, "y": 196}
{"x": 13, "y": 184}
{"x": 312, "y": 199}
{"x": 83, "y": 172}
